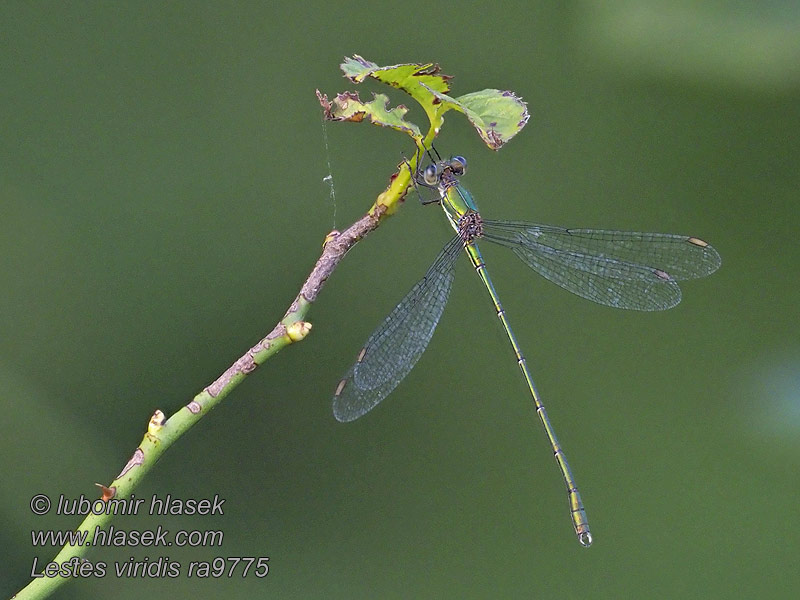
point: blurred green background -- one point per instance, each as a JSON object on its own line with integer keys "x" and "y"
{"x": 161, "y": 202}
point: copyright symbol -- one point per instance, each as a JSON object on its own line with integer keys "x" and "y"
{"x": 40, "y": 504}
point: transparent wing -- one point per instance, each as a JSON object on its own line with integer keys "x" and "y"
{"x": 622, "y": 269}
{"x": 395, "y": 346}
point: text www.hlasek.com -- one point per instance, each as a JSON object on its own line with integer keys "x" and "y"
{"x": 113, "y": 537}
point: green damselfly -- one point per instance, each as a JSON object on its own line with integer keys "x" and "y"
{"x": 631, "y": 270}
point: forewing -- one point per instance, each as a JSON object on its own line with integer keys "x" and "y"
{"x": 622, "y": 269}
{"x": 396, "y": 345}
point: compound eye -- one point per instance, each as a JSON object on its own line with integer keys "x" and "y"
{"x": 459, "y": 165}
{"x": 431, "y": 175}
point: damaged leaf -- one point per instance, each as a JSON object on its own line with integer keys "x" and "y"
{"x": 349, "y": 107}
{"x": 419, "y": 80}
{"x": 496, "y": 115}
{"x": 406, "y": 77}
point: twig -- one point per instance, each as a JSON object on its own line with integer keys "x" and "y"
{"x": 162, "y": 434}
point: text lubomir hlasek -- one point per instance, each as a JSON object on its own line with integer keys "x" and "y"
{"x": 168, "y": 505}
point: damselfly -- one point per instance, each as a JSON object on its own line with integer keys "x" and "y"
{"x": 638, "y": 271}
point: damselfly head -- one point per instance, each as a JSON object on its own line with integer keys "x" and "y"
{"x": 439, "y": 175}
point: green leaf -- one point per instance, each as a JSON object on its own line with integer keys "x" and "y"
{"x": 406, "y": 77}
{"x": 421, "y": 81}
{"x": 496, "y": 115}
{"x": 349, "y": 107}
